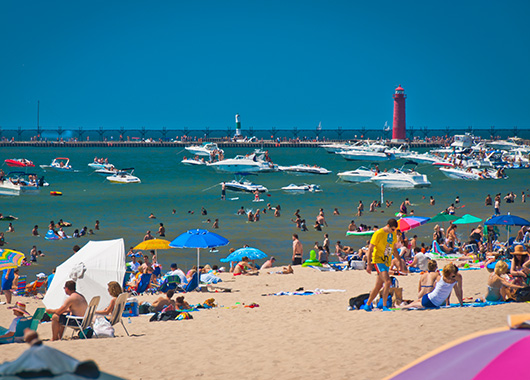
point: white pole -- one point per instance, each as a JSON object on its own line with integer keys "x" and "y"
{"x": 382, "y": 195}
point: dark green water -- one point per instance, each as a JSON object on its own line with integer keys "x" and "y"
{"x": 123, "y": 210}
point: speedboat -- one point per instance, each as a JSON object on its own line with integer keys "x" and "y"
{"x": 17, "y": 183}
{"x": 193, "y": 161}
{"x": 244, "y": 185}
{"x": 399, "y": 152}
{"x": 19, "y": 162}
{"x": 426, "y": 158}
{"x": 244, "y": 164}
{"x": 337, "y": 147}
{"x": 61, "y": 164}
{"x": 471, "y": 173}
{"x": 302, "y": 188}
{"x": 100, "y": 165}
{"x": 204, "y": 150}
{"x": 361, "y": 174}
{"x": 366, "y": 155}
{"x": 403, "y": 178}
{"x": 301, "y": 168}
{"x": 124, "y": 176}
{"x": 106, "y": 172}
{"x": 503, "y": 144}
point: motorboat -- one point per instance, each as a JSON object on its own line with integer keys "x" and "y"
{"x": 424, "y": 158}
{"x": 361, "y": 174}
{"x": 302, "y": 168}
{"x": 61, "y": 164}
{"x": 245, "y": 186}
{"x": 244, "y": 164}
{"x": 106, "y": 172}
{"x": 403, "y": 178}
{"x": 206, "y": 149}
{"x": 471, "y": 173}
{"x": 193, "y": 161}
{"x": 366, "y": 155}
{"x": 400, "y": 151}
{"x": 100, "y": 165}
{"x": 17, "y": 183}
{"x": 292, "y": 188}
{"x": 124, "y": 176}
{"x": 338, "y": 147}
{"x": 19, "y": 162}
{"x": 503, "y": 144}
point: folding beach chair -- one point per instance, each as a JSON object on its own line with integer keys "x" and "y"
{"x": 169, "y": 282}
{"x": 21, "y": 286}
{"x": 119, "y": 306}
{"x": 143, "y": 285}
{"x": 22, "y": 325}
{"x": 81, "y": 323}
{"x": 35, "y": 286}
{"x": 37, "y": 317}
{"x": 193, "y": 284}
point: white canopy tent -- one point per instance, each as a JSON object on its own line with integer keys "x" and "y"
{"x": 92, "y": 268}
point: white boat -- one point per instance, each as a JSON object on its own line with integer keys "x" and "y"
{"x": 204, "y": 150}
{"x": 503, "y": 144}
{"x": 470, "y": 173}
{"x": 425, "y": 158}
{"x": 400, "y": 151}
{"x": 124, "y": 176}
{"x": 244, "y": 185}
{"x": 244, "y": 164}
{"x": 366, "y": 155}
{"x": 106, "y": 172}
{"x": 17, "y": 183}
{"x": 61, "y": 164}
{"x": 361, "y": 174}
{"x": 192, "y": 162}
{"x": 302, "y": 188}
{"x": 97, "y": 165}
{"x": 403, "y": 178}
{"x": 338, "y": 147}
{"x": 301, "y": 168}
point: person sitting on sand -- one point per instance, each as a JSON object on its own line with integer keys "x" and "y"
{"x": 450, "y": 280}
{"x": 285, "y": 270}
{"x": 180, "y": 304}
{"x": 520, "y": 265}
{"x": 269, "y": 263}
{"x": 245, "y": 267}
{"x": 20, "y": 312}
{"x": 420, "y": 263}
{"x": 115, "y": 290}
{"x": 428, "y": 279}
{"x": 499, "y": 289}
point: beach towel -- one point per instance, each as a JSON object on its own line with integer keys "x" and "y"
{"x": 306, "y": 292}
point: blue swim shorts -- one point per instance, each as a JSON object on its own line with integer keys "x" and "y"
{"x": 426, "y": 302}
{"x": 381, "y": 268}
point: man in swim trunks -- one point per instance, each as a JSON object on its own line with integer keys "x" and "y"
{"x": 298, "y": 250}
{"x": 380, "y": 251}
{"x": 75, "y": 305}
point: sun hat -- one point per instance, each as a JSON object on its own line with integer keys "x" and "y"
{"x": 20, "y": 307}
{"x": 519, "y": 250}
{"x": 41, "y": 275}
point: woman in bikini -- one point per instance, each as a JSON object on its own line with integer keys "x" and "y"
{"x": 428, "y": 279}
{"x": 245, "y": 267}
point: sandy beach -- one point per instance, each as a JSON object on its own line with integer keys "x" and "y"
{"x": 286, "y": 337}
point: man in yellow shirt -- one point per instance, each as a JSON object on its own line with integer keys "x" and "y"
{"x": 380, "y": 251}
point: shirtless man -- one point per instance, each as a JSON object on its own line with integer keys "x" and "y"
{"x": 161, "y": 230}
{"x": 298, "y": 250}
{"x": 148, "y": 236}
{"x": 163, "y": 301}
{"x": 75, "y": 305}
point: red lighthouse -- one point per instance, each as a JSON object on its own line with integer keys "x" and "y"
{"x": 399, "y": 128}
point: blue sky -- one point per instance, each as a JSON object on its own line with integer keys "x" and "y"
{"x": 280, "y": 64}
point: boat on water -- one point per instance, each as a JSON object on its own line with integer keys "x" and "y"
{"x": 302, "y": 168}
{"x": 61, "y": 164}
{"x": 366, "y": 155}
{"x": 19, "y": 162}
{"x": 124, "y": 176}
{"x": 471, "y": 173}
{"x": 106, "y": 172}
{"x": 98, "y": 165}
{"x": 338, "y": 147}
{"x": 403, "y": 178}
{"x": 361, "y": 174}
{"x": 193, "y": 161}
{"x": 503, "y": 144}
{"x": 292, "y": 188}
{"x": 424, "y": 158}
{"x": 17, "y": 183}
{"x": 400, "y": 151}
{"x": 244, "y": 164}
{"x": 204, "y": 150}
{"x": 245, "y": 186}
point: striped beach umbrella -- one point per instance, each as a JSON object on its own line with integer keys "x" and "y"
{"x": 492, "y": 354}
{"x": 10, "y": 259}
{"x": 410, "y": 222}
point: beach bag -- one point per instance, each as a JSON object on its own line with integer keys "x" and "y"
{"x": 523, "y": 294}
{"x": 103, "y": 328}
{"x": 357, "y": 302}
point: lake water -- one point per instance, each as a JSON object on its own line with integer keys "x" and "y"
{"x": 123, "y": 210}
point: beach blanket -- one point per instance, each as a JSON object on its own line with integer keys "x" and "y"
{"x": 210, "y": 278}
{"x": 466, "y": 304}
{"x": 306, "y": 292}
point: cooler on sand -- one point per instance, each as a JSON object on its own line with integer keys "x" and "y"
{"x": 131, "y": 308}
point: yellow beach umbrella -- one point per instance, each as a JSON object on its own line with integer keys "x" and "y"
{"x": 153, "y": 244}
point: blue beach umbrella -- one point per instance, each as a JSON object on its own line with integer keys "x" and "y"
{"x": 198, "y": 239}
{"x": 251, "y": 253}
{"x": 507, "y": 220}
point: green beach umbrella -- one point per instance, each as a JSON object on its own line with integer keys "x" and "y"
{"x": 467, "y": 219}
{"x": 441, "y": 217}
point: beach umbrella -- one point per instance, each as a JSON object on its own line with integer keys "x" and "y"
{"x": 491, "y": 354}
{"x": 410, "y": 222}
{"x": 153, "y": 245}
{"x": 198, "y": 239}
{"x": 251, "y": 253}
{"x": 442, "y": 217}
{"x": 507, "y": 220}
{"x": 467, "y": 219}
{"x": 10, "y": 259}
